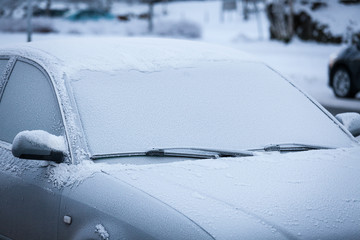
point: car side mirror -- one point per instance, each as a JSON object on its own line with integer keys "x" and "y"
{"x": 351, "y": 121}
{"x": 39, "y": 145}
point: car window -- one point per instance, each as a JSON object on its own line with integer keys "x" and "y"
{"x": 28, "y": 103}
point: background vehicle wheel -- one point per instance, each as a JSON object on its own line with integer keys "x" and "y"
{"x": 342, "y": 84}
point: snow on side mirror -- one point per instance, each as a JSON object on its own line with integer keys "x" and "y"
{"x": 39, "y": 145}
{"x": 351, "y": 121}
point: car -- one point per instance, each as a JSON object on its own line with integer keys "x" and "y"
{"x": 344, "y": 72}
{"x": 53, "y": 12}
{"x": 90, "y": 14}
{"x": 146, "y": 138}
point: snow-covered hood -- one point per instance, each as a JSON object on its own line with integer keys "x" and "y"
{"x": 307, "y": 195}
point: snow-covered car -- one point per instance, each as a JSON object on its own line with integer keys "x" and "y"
{"x": 111, "y": 138}
{"x": 344, "y": 72}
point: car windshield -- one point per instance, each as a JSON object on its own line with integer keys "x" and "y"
{"x": 223, "y": 105}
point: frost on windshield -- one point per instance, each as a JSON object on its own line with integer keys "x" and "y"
{"x": 227, "y": 106}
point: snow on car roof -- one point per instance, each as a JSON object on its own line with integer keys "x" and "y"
{"x": 113, "y": 54}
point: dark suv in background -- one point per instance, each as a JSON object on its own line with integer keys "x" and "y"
{"x": 344, "y": 72}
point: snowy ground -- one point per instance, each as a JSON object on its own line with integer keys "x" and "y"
{"x": 304, "y": 63}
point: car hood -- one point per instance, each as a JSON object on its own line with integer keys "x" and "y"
{"x": 307, "y": 195}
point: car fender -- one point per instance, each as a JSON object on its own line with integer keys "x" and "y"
{"x": 101, "y": 202}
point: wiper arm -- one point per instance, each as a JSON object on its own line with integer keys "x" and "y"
{"x": 289, "y": 147}
{"x": 116, "y": 155}
{"x": 166, "y": 153}
{"x": 200, "y": 153}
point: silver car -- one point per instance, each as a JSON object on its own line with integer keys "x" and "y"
{"x": 111, "y": 138}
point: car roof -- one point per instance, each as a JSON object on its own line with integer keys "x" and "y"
{"x": 114, "y": 54}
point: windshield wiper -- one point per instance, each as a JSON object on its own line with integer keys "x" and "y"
{"x": 290, "y": 147}
{"x": 200, "y": 153}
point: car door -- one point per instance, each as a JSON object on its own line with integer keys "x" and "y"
{"x": 29, "y": 202}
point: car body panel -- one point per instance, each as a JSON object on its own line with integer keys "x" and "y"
{"x": 32, "y": 202}
{"x": 291, "y": 196}
{"x": 124, "y": 211}
{"x": 298, "y": 195}
{"x": 138, "y": 214}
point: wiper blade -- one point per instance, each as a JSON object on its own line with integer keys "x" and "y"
{"x": 200, "y": 153}
{"x": 167, "y": 153}
{"x": 290, "y": 147}
{"x": 116, "y": 155}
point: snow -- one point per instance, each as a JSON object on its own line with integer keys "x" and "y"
{"x": 132, "y": 54}
{"x": 316, "y": 190}
{"x": 294, "y": 191}
{"x": 304, "y": 63}
{"x": 71, "y": 175}
{"x": 100, "y": 229}
{"x": 339, "y": 17}
{"x": 65, "y": 175}
{"x": 131, "y": 111}
{"x": 40, "y": 139}
{"x": 351, "y": 121}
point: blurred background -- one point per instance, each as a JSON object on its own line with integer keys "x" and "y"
{"x": 295, "y": 37}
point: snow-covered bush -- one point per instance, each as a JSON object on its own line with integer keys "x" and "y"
{"x": 321, "y": 21}
{"x": 182, "y": 29}
{"x": 40, "y": 25}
